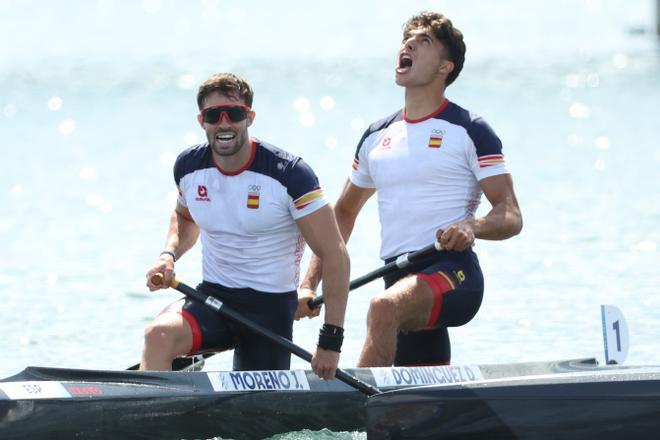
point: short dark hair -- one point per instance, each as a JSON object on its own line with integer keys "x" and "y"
{"x": 227, "y": 84}
{"x": 443, "y": 29}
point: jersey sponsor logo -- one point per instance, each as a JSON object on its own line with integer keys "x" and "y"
{"x": 253, "y": 196}
{"x": 435, "y": 140}
{"x": 282, "y": 380}
{"x": 202, "y": 194}
{"x": 385, "y": 145}
{"x": 460, "y": 276}
{"x": 490, "y": 160}
{"x": 432, "y": 375}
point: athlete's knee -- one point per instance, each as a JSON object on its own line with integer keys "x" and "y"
{"x": 382, "y": 308}
{"x": 161, "y": 337}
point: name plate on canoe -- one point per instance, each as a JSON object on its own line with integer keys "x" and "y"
{"x": 432, "y": 375}
{"x": 277, "y": 380}
{"x": 34, "y": 390}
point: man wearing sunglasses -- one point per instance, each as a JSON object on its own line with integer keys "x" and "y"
{"x": 254, "y": 206}
{"x": 430, "y": 163}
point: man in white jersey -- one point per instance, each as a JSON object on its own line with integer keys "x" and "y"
{"x": 254, "y": 206}
{"x": 429, "y": 162}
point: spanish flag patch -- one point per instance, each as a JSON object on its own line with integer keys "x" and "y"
{"x": 435, "y": 141}
{"x": 253, "y": 200}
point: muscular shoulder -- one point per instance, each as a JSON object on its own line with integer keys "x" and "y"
{"x": 477, "y": 129}
{"x": 381, "y": 124}
{"x": 289, "y": 170}
{"x": 192, "y": 159}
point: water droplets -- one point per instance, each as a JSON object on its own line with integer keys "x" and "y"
{"x": 67, "y": 127}
{"x": 579, "y": 110}
{"x": 52, "y": 278}
{"x": 646, "y": 246}
{"x": 358, "y": 124}
{"x": 98, "y": 201}
{"x": 167, "y": 159}
{"x": 301, "y": 104}
{"x": 190, "y": 138}
{"x": 602, "y": 142}
{"x": 620, "y": 60}
{"x": 9, "y": 110}
{"x": 152, "y": 6}
{"x": 307, "y": 119}
{"x": 55, "y": 103}
{"x": 88, "y": 172}
{"x": 16, "y": 190}
{"x": 327, "y": 103}
{"x": 187, "y": 81}
{"x": 331, "y": 142}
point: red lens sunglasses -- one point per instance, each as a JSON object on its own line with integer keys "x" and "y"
{"x": 235, "y": 113}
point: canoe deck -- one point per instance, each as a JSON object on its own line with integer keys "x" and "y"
{"x": 67, "y": 403}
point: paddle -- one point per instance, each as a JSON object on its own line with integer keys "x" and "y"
{"x": 400, "y": 263}
{"x": 228, "y": 313}
{"x": 403, "y": 261}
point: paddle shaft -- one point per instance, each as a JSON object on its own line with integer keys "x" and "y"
{"x": 403, "y": 261}
{"x": 400, "y": 263}
{"x": 227, "y": 312}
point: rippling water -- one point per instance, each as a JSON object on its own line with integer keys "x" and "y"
{"x": 96, "y": 100}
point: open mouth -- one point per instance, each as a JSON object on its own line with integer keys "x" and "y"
{"x": 405, "y": 63}
{"x": 225, "y": 137}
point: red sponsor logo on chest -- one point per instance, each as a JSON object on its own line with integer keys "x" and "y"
{"x": 202, "y": 194}
{"x": 385, "y": 145}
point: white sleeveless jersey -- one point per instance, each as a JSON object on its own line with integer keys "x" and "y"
{"x": 426, "y": 173}
{"x": 247, "y": 218}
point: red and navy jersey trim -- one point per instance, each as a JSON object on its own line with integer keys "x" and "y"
{"x": 289, "y": 170}
{"x": 484, "y": 138}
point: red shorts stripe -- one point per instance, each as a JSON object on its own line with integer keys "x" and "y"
{"x": 439, "y": 284}
{"x": 196, "y": 331}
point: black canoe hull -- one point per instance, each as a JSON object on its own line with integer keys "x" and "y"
{"x": 613, "y": 408}
{"x": 87, "y": 404}
{"x": 237, "y": 417}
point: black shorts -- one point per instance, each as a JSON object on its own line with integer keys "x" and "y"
{"x": 458, "y": 285}
{"x": 212, "y": 332}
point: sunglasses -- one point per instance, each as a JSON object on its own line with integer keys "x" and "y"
{"x": 235, "y": 113}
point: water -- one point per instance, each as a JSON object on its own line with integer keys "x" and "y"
{"x": 97, "y": 98}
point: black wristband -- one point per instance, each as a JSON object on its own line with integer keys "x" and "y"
{"x": 331, "y": 337}
{"x": 171, "y": 253}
